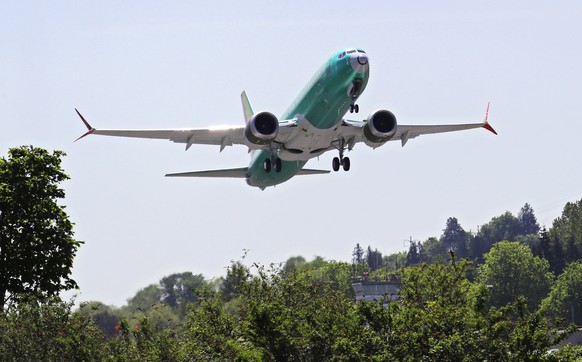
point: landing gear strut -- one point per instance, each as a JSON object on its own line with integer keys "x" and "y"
{"x": 341, "y": 160}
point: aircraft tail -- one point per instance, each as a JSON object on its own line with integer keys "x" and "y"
{"x": 247, "y": 109}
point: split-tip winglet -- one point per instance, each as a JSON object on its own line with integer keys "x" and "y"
{"x": 90, "y": 129}
{"x": 486, "y": 124}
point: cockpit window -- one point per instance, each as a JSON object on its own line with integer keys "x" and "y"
{"x": 361, "y": 51}
{"x": 342, "y": 55}
{"x": 351, "y": 51}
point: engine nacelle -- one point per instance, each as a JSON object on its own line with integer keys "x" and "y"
{"x": 380, "y": 127}
{"x": 262, "y": 128}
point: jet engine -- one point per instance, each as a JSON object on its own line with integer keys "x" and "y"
{"x": 262, "y": 128}
{"x": 380, "y": 127}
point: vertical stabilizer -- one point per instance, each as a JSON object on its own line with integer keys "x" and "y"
{"x": 247, "y": 109}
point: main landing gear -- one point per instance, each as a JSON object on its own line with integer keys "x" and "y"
{"x": 341, "y": 160}
{"x": 273, "y": 162}
{"x": 354, "y": 108}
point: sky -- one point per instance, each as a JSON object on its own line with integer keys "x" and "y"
{"x": 176, "y": 64}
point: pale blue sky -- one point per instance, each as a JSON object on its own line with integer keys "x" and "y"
{"x": 183, "y": 64}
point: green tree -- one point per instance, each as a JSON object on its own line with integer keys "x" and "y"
{"x": 413, "y": 256}
{"x": 510, "y": 270}
{"x": 179, "y": 289}
{"x": 292, "y": 263}
{"x": 565, "y": 298}
{"x": 105, "y": 317}
{"x": 373, "y": 258}
{"x": 433, "y": 249}
{"x": 503, "y": 227}
{"x": 567, "y": 230}
{"x": 528, "y": 223}
{"x": 455, "y": 238}
{"x": 36, "y": 237}
{"x": 358, "y": 255}
{"x": 395, "y": 261}
{"x": 48, "y": 331}
{"x": 236, "y": 274}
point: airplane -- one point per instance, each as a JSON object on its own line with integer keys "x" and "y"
{"x": 313, "y": 124}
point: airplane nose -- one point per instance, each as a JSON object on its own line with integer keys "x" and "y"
{"x": 359, "y": 62}
{"x": 363, "y": 59}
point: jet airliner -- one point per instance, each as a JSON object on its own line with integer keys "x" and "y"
{"x": 312, "y": 125}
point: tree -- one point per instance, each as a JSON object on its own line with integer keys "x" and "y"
{"x": 503, "y": 227}
{"x": 567, "y": 230}
{"x": 292, "y": 263}
{"x": 395, "y": 261}
{"x": 179, "y": 289}
{"x": 544, "y": 249}
{"x": 36, "y": 237}
{"x": 373, "y": 258}
{"x": 528, "y": 224}
{"x": 455, "y": 238}
{"x": 358, "y": 254}
{"x": 433, "y": 249}
{"x": 565, "y": 298}
{"x": 413, "y": 255}
{"x": 510, "y": 270}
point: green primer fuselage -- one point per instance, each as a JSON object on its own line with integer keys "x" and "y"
{"x": 323, "y": 102}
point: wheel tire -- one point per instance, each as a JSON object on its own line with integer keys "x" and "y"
{"x": 351, "y": 108}
{"x": 267, "y": 165}
{"x": 278, "y": 165}
{"x": 346, "y": 164}
{"x": 356, "y": 108}
{"x": 335, "y": 164}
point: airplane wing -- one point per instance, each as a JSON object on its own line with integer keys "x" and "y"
{"x": 353, "y": 131}
{"x": 221, "y": 135}
{"x": 218, "y": 135}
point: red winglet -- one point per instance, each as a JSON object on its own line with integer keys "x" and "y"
{"x": 91, "y": 129}
{"x": 486, "y": 124}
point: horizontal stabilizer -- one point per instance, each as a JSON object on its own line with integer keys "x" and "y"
{"x": 311, "y": 172}
{"x": 232, "y": 172}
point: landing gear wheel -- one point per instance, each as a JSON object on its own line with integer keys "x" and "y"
{"x": 356, "y": 108}
{"x": 346, "y": 164}
{"x": 267, "y": 165}
{"x": 278, "y": 165}
{"x": 335, "y": 164}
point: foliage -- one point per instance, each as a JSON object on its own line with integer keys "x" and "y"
{"x": 414, "y": 253}
{"x": 455, "y": 238}
{"x": 374, "y": 258}
{"x": 36, "y": 237}
{"x": 565, "y": 298}
{"x": 527, "y": 220}
{"x": 48, "y": 331}
{"x": 510, "y": 270}
{"x": 566, "y": 231}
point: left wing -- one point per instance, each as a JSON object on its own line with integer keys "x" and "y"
{"x": 353, "y": 131}
{"x": 222, "y": 136}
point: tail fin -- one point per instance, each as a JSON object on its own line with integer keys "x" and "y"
{"x": 247, "y": 109}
